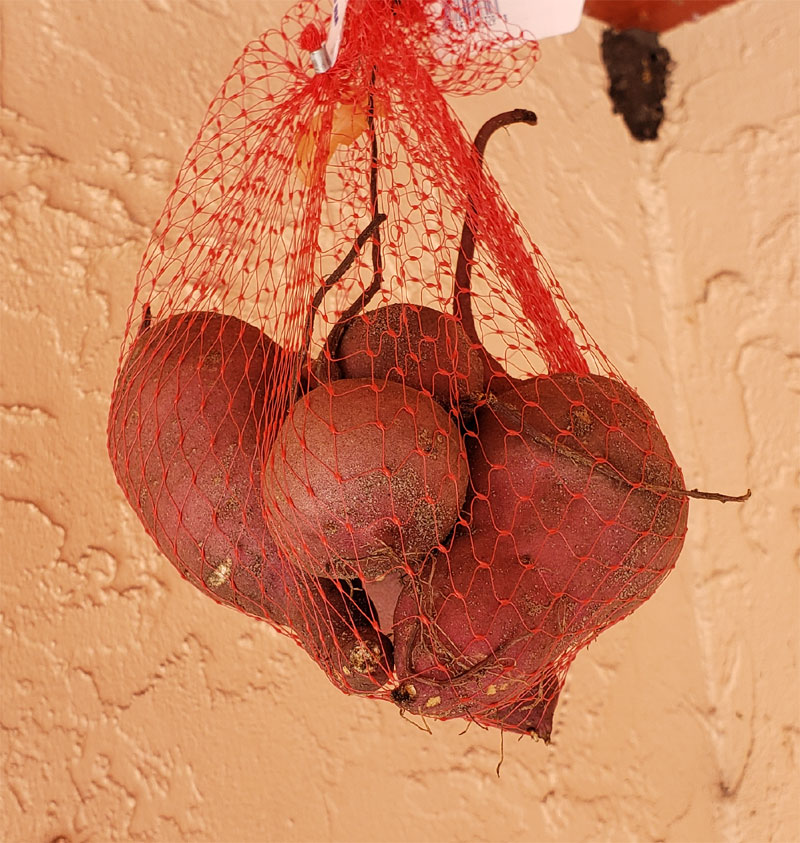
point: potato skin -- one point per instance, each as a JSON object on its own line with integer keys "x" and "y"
{"x": 184, "y": 436}
{"x": 573, "y": 525}
{"x": 472, "y": 630}
{"x": 338, "y": 627}
{"x": 185, "y": 429}
{"x": 364, "y": 479}
{"x": 424, "y": 348}
{"x": 531, "y": 714}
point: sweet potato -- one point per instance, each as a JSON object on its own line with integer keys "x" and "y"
{"x": 531, "y": 714}
{"x": 338, "y": 627}
{"x": 576, "y": 517}
{"x": 607, "y": 490}
{"x": 364, "y": 479}
{"x": 475, "y": 628}
{"x": 418, "y": 346}
{"x": 185, "y": 428}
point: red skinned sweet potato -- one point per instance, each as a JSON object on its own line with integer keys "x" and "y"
{"x": 531, "y": 714}
{"x": 338, "y": 627}
{"x": 184, "y": 434}
{"x": 575, "y": 519}
{"x": 476, "y": 628}
{"x": 614, "y": 513}
{"x": 364, "y": 479}
{"x": 419, "y": 346}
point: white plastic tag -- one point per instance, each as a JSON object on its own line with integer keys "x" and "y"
{"x": 525, "y": 18}
{"x": 335, "y": 32}
{"x": 542, "y": 18}
{"x": 537, "y": 18}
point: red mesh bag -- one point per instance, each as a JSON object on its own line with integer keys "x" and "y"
{"x": 353, "y": 399}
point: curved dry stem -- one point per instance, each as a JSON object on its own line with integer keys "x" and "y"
{"x": 331, "y": 347}
{"x": 303, "y": 362}
{"x": 147, "y": 318}
{"x": 340, "y": 270}
{"x": 713, "y": 496}
{"x": 462, "y": 294}
{"x": 377, "y": 257}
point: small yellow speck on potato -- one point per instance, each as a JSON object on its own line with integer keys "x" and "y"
{"x": 220, "y": 574}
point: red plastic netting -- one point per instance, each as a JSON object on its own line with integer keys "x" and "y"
{"x": 353, "y": 399}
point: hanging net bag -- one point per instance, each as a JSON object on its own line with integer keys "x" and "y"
{"x": 354, "y": 401}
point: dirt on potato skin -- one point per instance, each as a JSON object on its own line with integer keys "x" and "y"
{"x": 577, "y": 515}
{"x": 421, "y": 347}
{"x": 184, "y": 439}
{"x": 364, "y": 479}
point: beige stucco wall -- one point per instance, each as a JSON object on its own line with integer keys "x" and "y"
{"x": 133, "y": 708}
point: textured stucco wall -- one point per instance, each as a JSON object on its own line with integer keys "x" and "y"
{"x": 135, "y": 709}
